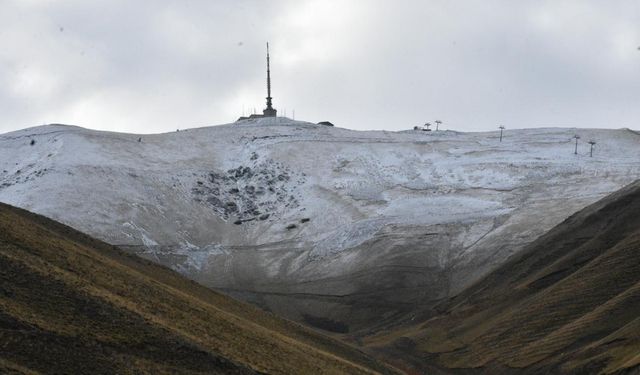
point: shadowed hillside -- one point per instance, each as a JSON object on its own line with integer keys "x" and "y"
{"x": 73, "y": 304}
{"x": 569, "y": 303}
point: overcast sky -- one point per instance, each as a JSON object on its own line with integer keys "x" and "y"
{"x": 154, "y": 66}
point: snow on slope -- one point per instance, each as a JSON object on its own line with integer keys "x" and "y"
{"x": 281, "y": 206}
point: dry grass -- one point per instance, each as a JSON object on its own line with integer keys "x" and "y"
{"x": 72, "y": 304}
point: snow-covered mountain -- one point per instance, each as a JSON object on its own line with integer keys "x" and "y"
{"x": 335, "y": 227}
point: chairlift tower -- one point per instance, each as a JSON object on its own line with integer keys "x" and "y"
{"x": 438, "y": 122}
{"x": 591, "y": 143}
{"x": 427, "y": 125}
{"x": 501, "y": 127}
{"x": 576, "y": 137}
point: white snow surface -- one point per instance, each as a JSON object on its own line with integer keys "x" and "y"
{"x": 195, "y": 195}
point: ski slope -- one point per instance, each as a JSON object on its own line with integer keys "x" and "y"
{"x": 315, "y": 221}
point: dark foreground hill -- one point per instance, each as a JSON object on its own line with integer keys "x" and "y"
{"x": 71, "y": 304}
{"x": 569, "y": 303}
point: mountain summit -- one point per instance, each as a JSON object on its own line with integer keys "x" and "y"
{"x": 340, "y": 229}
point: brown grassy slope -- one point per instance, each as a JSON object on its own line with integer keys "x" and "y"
{"x": 569, "y": 303}
{"x": 72, "y": 304}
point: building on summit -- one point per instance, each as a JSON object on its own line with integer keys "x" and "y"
{"x": 269, "y": 111}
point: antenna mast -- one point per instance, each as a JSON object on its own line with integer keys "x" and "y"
{"x": 268, "y": 79}
{"x": 269, "y": 111}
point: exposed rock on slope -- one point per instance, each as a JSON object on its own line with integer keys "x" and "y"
{"x": 70, "y": 304}
{"x": 569, "y": 303}
{"x": 396, "y": 219}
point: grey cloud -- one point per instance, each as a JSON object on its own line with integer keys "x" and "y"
{"x": 157, "y": 66}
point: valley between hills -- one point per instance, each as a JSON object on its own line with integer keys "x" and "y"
{"x": 392, "y": 251}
